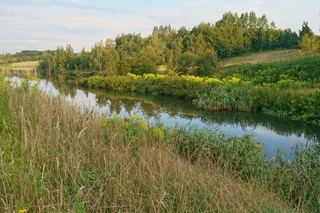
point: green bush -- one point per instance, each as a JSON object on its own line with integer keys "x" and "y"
{"x": 206, "y": 65}
{"x": 143, "y": 69}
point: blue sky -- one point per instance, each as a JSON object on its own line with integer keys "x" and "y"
{"x": 45, "y": 24}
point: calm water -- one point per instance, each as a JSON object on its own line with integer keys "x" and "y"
{"x": 273, "y": 132}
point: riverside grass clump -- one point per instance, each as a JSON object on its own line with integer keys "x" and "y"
{"x": 58, "y": 157}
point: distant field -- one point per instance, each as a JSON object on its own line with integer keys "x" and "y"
{"x": 20, "y": 65}
{"x": 263, "y": 57}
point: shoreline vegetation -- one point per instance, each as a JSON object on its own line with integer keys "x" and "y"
{"x": 58, "y": 157}
{"x": 287, "y": 89}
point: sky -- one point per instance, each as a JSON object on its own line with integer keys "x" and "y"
{"x": 46, "y": 24}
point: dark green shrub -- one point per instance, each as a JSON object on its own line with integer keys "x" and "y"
{"x": 143, "y": 69}
{"x": 206, "y": 65}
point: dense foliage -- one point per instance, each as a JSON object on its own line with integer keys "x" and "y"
{"x": 180, "y": 50}
{"x": 25, "y": 55}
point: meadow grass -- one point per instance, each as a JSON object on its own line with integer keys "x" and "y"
{"x": 58, "y": 157}
{"x": 262, "y": 57}
{"x": 28, "y": 66}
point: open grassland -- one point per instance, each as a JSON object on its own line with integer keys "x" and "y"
{"x": 28, "y": 65}
{"x": 263, "y": 57}
{"x": 57, "y": 157}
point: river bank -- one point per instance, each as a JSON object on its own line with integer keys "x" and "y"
{"x": 278, "y": 135}
{"x": 59, "y": 157}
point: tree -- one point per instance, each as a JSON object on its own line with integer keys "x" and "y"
{"x": 85, "y": 59}
{"x": 208, "y": 31}
{"x": 174, "y": 53}
{"x": 69, "y": 54}
{"x": 165, "y": 33}
{"x": 206, "y": 64}
{"x": 187, "y": 61}
{"x": 305, "y": 30}
{"x": 262, "y": 31}
{"x": 252, "y": 28}
{"x": 196, "y": 44}
{"x": 46, "y": 63}
{"x": 272, "y": 34}
{"x": 287, "y": 39}
{"x": 155, "y": 47}
{"x": 183, "y": 31}
{"x": 112, "y": 58}
{"x": 128, "y": 45}
{"x": 97, "y": 55}
{"x": 309, "y": 44}
{"x": 59, "y": 61}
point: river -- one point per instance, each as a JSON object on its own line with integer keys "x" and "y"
{"x": 275, "y": 133}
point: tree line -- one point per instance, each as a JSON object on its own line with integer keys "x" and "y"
{"x": 25, "y": 55}
{"x": 180, "y": 50}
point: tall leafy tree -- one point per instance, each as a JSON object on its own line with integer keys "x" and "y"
{"x": 182, "y": 31}
{"x": 288, "y": 39}
{"x": 46, "y": 62}
{"x": 305, "y": 30}
{"x": 150, "y": 56}
{"x": 59, "y": 61}
{"x": 196, "y": 44}
{"x": 187, "y": 62}
{"x": 174, "y": 53}
{"x": 165, "y": 33}
{"x": 272, "y": 34}
{"x": 208, "y": 31}
{"x": 206, "y": 64}
{"x": 97, "y": 56}
{"x": 85, "y": 59}
{"x": 260, "y": 40}
{"x": 111, "y": 58}
{"x": 69, "y": 54}
{"x": 309, "y": 44}
{"x": 128, "y": 45}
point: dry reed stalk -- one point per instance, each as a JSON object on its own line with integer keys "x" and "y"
{"x": 65, "y": 163}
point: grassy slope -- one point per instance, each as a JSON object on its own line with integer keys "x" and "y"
{"x": 57, "y": 159}
{"x": 27, "y": 65}
{"x": 263, "y": 57}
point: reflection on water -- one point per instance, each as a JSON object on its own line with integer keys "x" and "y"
{"x": 273, "y": 132}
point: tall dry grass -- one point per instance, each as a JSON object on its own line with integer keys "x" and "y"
{"x": 57, "y": 157}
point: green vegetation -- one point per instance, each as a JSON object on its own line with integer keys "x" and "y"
{"x": 27, "y": 65}
{"x": 261, "y": 57}
{"x": 57, "y": 157}
{"x": 183, "y": 51}
{"x": 309, "y": 44}
{"x": 287, "y": 89}
{"x": 25, "y": 55}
